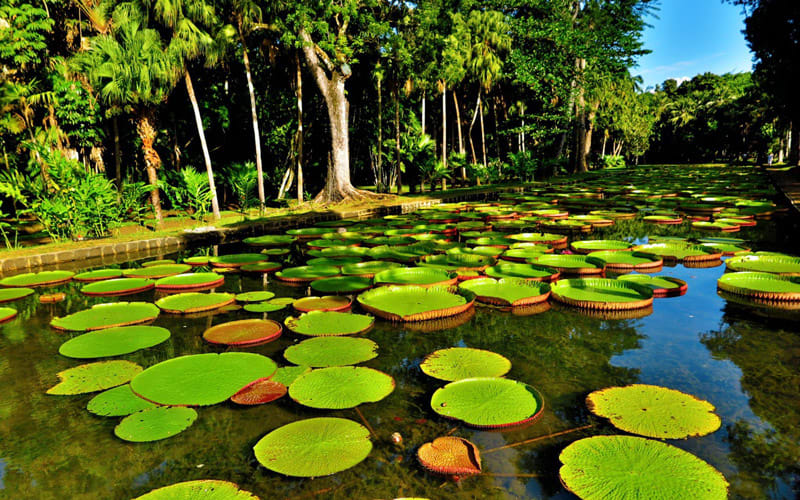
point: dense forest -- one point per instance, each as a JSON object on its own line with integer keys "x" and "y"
{"x": 113, "y": 110}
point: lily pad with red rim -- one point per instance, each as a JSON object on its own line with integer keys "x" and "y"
{"x": 268, "y": 306}
{"x": 602, "y": 293}
{"x": 156, "y": 272}
{"x": 155, "y": 424}
{"x": 306, "y": 274}
{"x": 189, "y": 281}
{"x": 9, "y": 294}
{"x": 261, "y": 267}
{"x": 113, "y": 341}
{"x": 779, "y": 264}
{"x": 627, "y": 261}
{"x": 451, "y": 456}
{"x": 331, "y": 351}
{"x": 270, "y": 240}
{"x": 254, "y": 296}
{"x": 368, "y": 269}
{"x": 413, "y": 303}
{"x": 246, "y": 332}
{"x": 158, "y": 262}
{"x": 324, "y": 303}
{"x": 117, "y": 402}
{"x": 488, "y": 402}
{"x": 329, "y": 323}
{"x": 196, "y": 261}
{"x": 419, "y": 276}
{"x": 259, "y": 392}
{"x": 663, "y": 286}
{"x": 458, "y": 363}
{"x": 201, "y": 379}
{"x": 534, "y": 272}
{"x": 762, "y": 286}
{"x": 237, "y": 260}
{"x": 571, "y": 264}
{"x": 680, "y": 252}
{"x": 117, "y": 287}
{"x": 43, "y": 278}
{"x": 98, "y": 275}
{"x": 93, "y": 377}
{"x": 203, "y": 489}
{"x": 340, "y": 387}
{"x": 587, "y": 246}
{"x": 341, "y": 284}
{"x": 314, "y": 447}
{"x": 191, "y": 302}
{"x": 333, "y": 261}
{"x": 102, "y": 316}
{"x": 602, "y": 467}
{"x": 507, "y": 291}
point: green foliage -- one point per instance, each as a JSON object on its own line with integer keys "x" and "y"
{"x": 22, "y": 40}
{"x": 242, "y": 179}
{"x": 132, "y": 201}
{"x": 612, "y": 161}
{"x": 188, "y": 190}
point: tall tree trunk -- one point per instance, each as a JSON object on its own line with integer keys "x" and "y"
{"x": 117, "y": 156}
{"x": 299, "y": 140}
{"x": 794, "y": 143}
{"x": 379, "y": 159}
{"x": 605, "y": 140}
{"x": 254, "y": 115}
{"x": 444, "y": 126}
{"x": 206, "y": 156}
{"x": 422, "y": 116}
{"x": 145, "y": 126}
{"x": 496, "y": 127}
{"x": 483, "y": 132}
{"x": 399, "y": 177}
{"x": 460, "y": 134}
{"x": 472, "y": 124}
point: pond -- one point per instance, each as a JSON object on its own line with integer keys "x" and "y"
{"x": 743, "y": 359}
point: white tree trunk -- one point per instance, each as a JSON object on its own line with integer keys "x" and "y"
{"x": 199, "y": 121}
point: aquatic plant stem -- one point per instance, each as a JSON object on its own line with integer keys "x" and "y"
{"x": 540, "y": 438}
{"x": 366, "y": 424}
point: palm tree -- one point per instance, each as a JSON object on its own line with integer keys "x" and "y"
{"x": 131, "y": 69}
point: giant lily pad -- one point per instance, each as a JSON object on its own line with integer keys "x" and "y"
{"x": 653, "y": 411}
{"x": 288, "y": 374}
{"x": 270, "y": 240}
{"x": 9, "y": 294}
{"x": 340, "y": 387}
{"x": 271, "y": 305}
{"x": 662, "y": 286}
{"x": 571, "y": 264}
{"x": 487, "y": 402}
{"x": 325, "y": 303}
{"x": 93, "y": 377}
{"x": 305, "y": 274}
{"x": 246, "y": 332}
{"x": 254, "y": 296}
{"x": 237, "y": 260}
{"x": 189, "y": 281}
{"x": 331, "y": 351}
{"x": 113, "y": 341}
{"x": 451, "y": 456}
{"x": 507, "y": 291}
{"x": 533, "y": 272}
{"x": 419, "y": 276}
{"x": 314, "y": 447}
{"x": 156, "y": 272}
{"x": 602, "y": 293}
{"x": 458, "y": 261}
{"x": 118, "y": 286}
{"x": 626, "y": 261}
{"x": 333, "y": 261}
{"x": 201, "y": 379}
{"x": 783, "y": 265}
{"x": 37, "y": 279}
{"x": 765, "y": 286}
{"x": 154, "y": 424}
{"x": 368, "y": 269}
{"x": 261, "y": 267}
{"x": 117, "y": 402}
{"x": 458, "y": 363}
{"x": 259, "y": 392}
{"x": 680, "y": 252}
{"x": 98, "y": 275}
{"x": 603, "y": 467}
{"x": 587, "y": 246}
{"x": 106, "y": 316}
{"x": 204, "y": 489}
{"x": 329, "y": 323}
{"x": 524, "y": 254}
{"x": 413, "y": 303}
{"x": 341, "y": 284}
{"x": 190, "y": 302}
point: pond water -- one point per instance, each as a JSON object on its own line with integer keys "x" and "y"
{"x": 744, "y": 362}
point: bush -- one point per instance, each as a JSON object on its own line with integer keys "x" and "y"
{"x": 612, "y": 161}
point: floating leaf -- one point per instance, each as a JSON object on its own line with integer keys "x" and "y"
{"x": 602, "y": 293}
{"x": 255, "y": 296}
{"x": 288, "y": 374}
{"x": 413, "y": 303}
{"x": 9, "y": 294}
{"x": 237, "y": 260}
{"x": 106, "y": 316}
{"x": 37, "y": 279}
{"x": 784, "y": 265}
{"x": 314, "y": 447}
{"x": 603, "y": 467}
{"x": 587, "y": 246}
{"x": 204, "y": 489}
{"x": 261, "y": 267}
{"x": 625, "y": 261}
{"x": 458, "y": 363}
{"x": 7, "y": 313}
{"x": 571, "y": 264}
{"x": 154, "y": 424}
{"x": 340, "y": 387}
{"x": 533, "y": 272}
{"x": 653, "y": 411}
{"x": 420, "y": 276}
{"x": 93, "y": 377}
{"x": 662, "y": 286}
{"x": 451, "y": 456}
{"x": 270, "y": 240}
{"x": 331, "y": 351}
{"x": 190, "y": 281}
{"x": 201, "y": 379}
{"x": 488, "y": 402}
{"x": 507, "y": 291}
{"x": 190, "y": 302}
{"x": 341, "y": 284}
{"x": 156, "y": 272}
{"x": 113, "y": 341}
{"x": 258, "y": 392}
{"x": 198, "y": 260}
{"x": 98, "y": 275}
{"x": 117, "y": 286}
{"x": 244, "y": 332}
{"x": 326, "y": 303}
{"x": 305, "y": 274}
{"x": 368, "y": 269}
{"x": 766, "y": 286}
{"x": 117, "y": 402}
{"x": 329, "y": 323}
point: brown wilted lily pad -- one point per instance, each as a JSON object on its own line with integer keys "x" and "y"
{"x": 258, "y": 392}
{"x": 451, "y": 456}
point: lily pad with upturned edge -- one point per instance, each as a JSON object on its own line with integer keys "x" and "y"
{"x": 258, "y": 392}
{"x": 254, "y": 296}
{"x": 602, "y": 293}
{"x": 9, "y": 294}
{"x": 507, "y": 291}
{"x": 190, "y": 302}
{"x": 156, "y": 272}
{"x": 98, "y": 275}
{"x": 765, "y": 286}
{"x": 117, "y": 286}
{"x": 662, "y": 286}
{"x": 102, "y": 316}
{"x": 325, "y": 303}
{"x": 488, "y": 402}
{"x": 188, "y": 281}
{"x": 154, "y": 424}
{"x": 413, "y": 303}
{"x": 331, "y": 351}
{"x": 341, "y": 284}
{"x": 245, "y": 332}
{"x": 42, "y": 278}
{"x": 458, "y": 363}
{"x": 329, "y": 323}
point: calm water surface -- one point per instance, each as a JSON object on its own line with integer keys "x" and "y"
{"x": 745, "y": 362}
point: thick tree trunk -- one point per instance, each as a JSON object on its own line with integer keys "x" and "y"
{"x": 145, "y": 126}
{"x": 254, "y": 115}
{"x": 472, "y": 124}
{"x": 206, "y": 156}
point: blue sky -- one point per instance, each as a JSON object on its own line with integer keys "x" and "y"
{"x": 691, "y": 37}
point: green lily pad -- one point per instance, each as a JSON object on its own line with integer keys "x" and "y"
{"x": 628, "y": 260}
{"x": 368, "y": 269}
{"x": 198, "y": 260}
{"x": 201, "y": 379}
{"x": 726, "y": 248}
{"x": 254, "y": 296}
{"x": 314, "y": 447}
{"x": 190, "y": 302}
{"x": 113, "y": 341}
{"x": 154, "y": 424}
{"x": 270, "y": 240}
{"x": 554, "y": 240}
{"x": 587, "y": 246}
{"x": 341, "y": 284}
{"x": 156, "y": 272}
{"x": 458, "y": 363}
{"x": 267, "y": 306}
{"x": 329, "y": 323}
{"x": 783, "y": 265}
{"x": 653, "y": 411}
{"x": 340, "y": 387}
{"x": 204, "y": 489}
{"x": 571, "y": 264}
{"x": 765, "y": 286}
{"x": 532, "y": 272}
{"x": 325, "y": 303}
{"x": 420, "y": 276}
{"x": 458, "y": 261}
{"x": 413, "y": 303}
{"x": 288, "y": 374}
{"x": 37, "y": 279}
{"x": 98, "y": 275}
{"x": 333, "y": 261}
{"x": 661, "y": 285}
{"x": 523, "y": 254}
{"x": 117, "y": 286}
{"x": 308, "y": 232}
{"x": 158, "y": 262}
{"x": 245, "y": 332}
{"x": 488, "y": 402}
{"x": 93, "y": 377}
{"x": 189, "y": 281}
{"x": 603, "y": 467}
{"x": 507, "y": 291}
{"x": 9, "y": 294}
{"x": 261, "y": 267}
{"x": 305, "y": 274}
{"x": 106, "y": 316}
{"x": 117, "y": 402}
{"x": 331, "y": 351}
{"x": 679, "y": 251}
{"x": 602, "y": 293}
{"x": 236, "y": 260}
